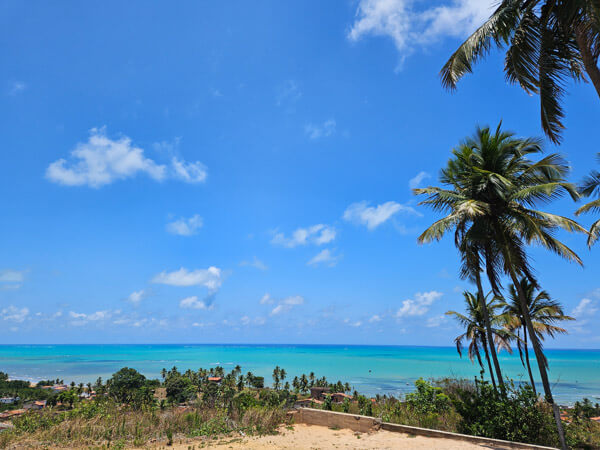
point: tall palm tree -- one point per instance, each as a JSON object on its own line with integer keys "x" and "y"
{"x": 548, "y": 41}
{"x": 475, "y": 329}
{"x": 544, "y": 313}
{"x": 589, "y": 187}
{"x": 493, "y": 187}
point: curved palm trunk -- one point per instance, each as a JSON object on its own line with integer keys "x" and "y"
{"x": 527, "y": 359}
{"x": 488, "y": 330}
{"x": 487, "y": 357}
{"x": 539, "y": 355}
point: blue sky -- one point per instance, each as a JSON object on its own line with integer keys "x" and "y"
{"x": 241, "y": 172}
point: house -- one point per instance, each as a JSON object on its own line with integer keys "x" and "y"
{"x": 13, "y": 413}
{"x": 9, "y": 400}
{"x": 215, "y": 379}
{"x": 339, "y": 397}
{"x": 318, "y": 393}
{"x": 40, "y": 404}
{"x": 595, "y": 419}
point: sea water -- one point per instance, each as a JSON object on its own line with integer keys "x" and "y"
{"x": 574, "y": 374}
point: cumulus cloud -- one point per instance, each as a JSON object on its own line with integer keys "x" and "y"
{"x": 324, "y": 257}
{"x": 317, "y": 234}
{"x": 373, "y": 216}
{"x": 102, "y": 160}
{"x": 211, "y": 278}
{"x": 193, "y": 303}
{"x": 14, "y": 314}
{"x": 413, "y": 24}
{"x": 317, "y": 131}
{"x": 136, "y": 297}
{"x": 416, "y": 181}
{"x": 419, "y": 305}
{"x": 287, "y": 304}
{"x": 185, "y": 227}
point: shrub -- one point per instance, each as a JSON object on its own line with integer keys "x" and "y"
{"x": 428, "y": 399}
{"x": 514, "y": 415}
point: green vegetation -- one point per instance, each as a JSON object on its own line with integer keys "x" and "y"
{"x": 130, "y": 409}
{"x": 491, "y": 187}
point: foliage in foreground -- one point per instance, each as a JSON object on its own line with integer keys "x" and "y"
{"x": 104, "y": 422}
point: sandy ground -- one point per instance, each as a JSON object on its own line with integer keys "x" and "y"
{"x": 316, "y": 437}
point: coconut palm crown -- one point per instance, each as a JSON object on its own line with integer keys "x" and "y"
{"x": 547, "y": 42}
{"x": 475, "y": 329}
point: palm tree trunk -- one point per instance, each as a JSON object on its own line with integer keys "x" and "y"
{"x": 527, "y": 359}
{"x": 589, "y": 62}
{"x": 488, "y": 330}
{"x": 539, "y": 356}
{"x": 487, "y": 357}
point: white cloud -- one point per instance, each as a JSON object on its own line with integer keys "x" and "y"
{"x": 585, "y": 308}
{"x": 192, "y": 172}
{"x": 419, "y": 305}
{"x": 436, "y": 321}
{"x": 17, "y": 87}
{"x": 375, "y": 318}
{"x": 373, "y": 216}
{"x": 11, "y": 279}
{"x": 14, "y": 314}
{"x": 412, "y": 25}
{"x": 256, "y": 263}
{"x": 325, "y": 257}
{"x": 185, "y": 227}
{"x": 80, "y": 319}
{"x": 317, "y": 234}
{"x": 102, "y": 160}
{"x": 136, "y": 297}
{"x": 193, "y": 303}
{"x": 416, "y": 181}
{"x": 267, "y": 299}
{"x": 317, "y": 131}
{"x": 211, "y": 278}
{"x": 287, "y": 304}
{"x": 289, "y": 93}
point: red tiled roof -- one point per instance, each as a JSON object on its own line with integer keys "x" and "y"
{"x": 214, "y": 378}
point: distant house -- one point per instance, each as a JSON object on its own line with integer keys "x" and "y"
{"x": 13, "y": 413}
{"x": 595, "y": 419}
{"x": 215, "y": 379}
{"x": 318, "y": 393}
{"x": 40, "y": 404}
{"x": 9, "y": 400}
{"x": 339, "y": 397}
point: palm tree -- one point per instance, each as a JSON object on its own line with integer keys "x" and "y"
{"x": 475, "y": 329}
{"x": 548, "y": 41}
{"x": 493, "y": 188}
{"x": 589, "y": 187}
{"x": 544, "y": 313}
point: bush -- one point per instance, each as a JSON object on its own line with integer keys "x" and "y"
{"x": 428, "y": 399}
{"x": 515, "y": 415}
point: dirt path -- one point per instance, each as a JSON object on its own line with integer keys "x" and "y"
{"x": 315, "y": 437}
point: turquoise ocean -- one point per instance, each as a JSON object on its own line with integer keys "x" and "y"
{"x": 371, "y": 370}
